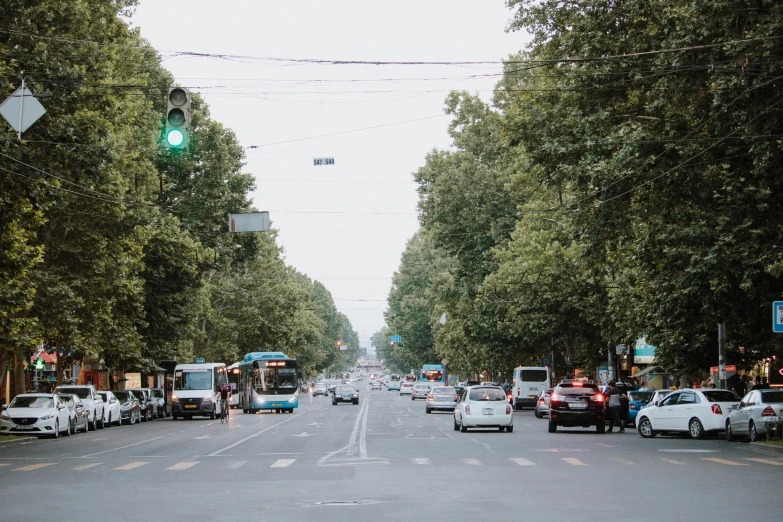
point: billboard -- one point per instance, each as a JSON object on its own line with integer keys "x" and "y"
{"x": 643, "y": 353}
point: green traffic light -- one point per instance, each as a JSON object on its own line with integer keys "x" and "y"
{"x": 175, "y": 137}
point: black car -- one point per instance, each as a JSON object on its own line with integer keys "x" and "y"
{"x": 576, "y": 403}
{"x": 345, "y": 393}
{"x": 145, "y": 403}
{"x": 130, "y": 409}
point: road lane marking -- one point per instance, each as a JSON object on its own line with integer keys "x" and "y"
{"x": 688, "y": 451}
{"x": 766, "y": 461}
{"x": 573, "y": 461}
{"x": 623, "y": 461}
{"x": 132, "y": 465}
{"x": 5, "y": 463}
{"x": 87, "y": 466}
{"x": 254, "y": 435}
{"x": 602, "y": 444}
{"x": 672, "y": 461}
{"x": 350, "y": 448}
{"x": 237, "y": 465}
{"x": 471, "y": 462}
{"x": 33, "y": 467}
{"x": 182, "y": 466}
{"x": 521, "y": 461}
{"x": 420, "y": 460}
{"x": 282, "y": 463}
{"x": 724, "y": 461}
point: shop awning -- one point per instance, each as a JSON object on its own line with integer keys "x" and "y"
{"x": 48, "y": 358}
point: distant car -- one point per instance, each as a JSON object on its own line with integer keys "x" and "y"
{"x": 111, "y": 408}
{"x": 575, "y": 403}
{"x": 79, "y": 413}
{"x": 638, "y": 400}
{"x": 345, "y": 393}
{"x": 420, "y": 390}
{"x": 656, "y": 397}
{"x": 696, "y": 412}
{"x": 375, "y": 385}
{"x": 441, "y": 398}
{"x": 145, "y": 402}
{"x": 130, "y": 408}
{"x": 92, "y": 401}
{"x": 406, "y": 388}
{"x": 749, "y": 419}
{"x": 321, "y": 388}
{"x": 160, "y": 402}
{"x": 40, "y": 414}
{"x": 542, "y": 404}
{"x": 483, "y": 407}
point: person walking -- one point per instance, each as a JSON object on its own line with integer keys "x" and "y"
{"x": 615, "y": 394}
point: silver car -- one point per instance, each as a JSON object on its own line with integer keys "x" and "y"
{"x": 442, "y": 398}
{"x": 542, "y": 404}
{"x": 751, "y": 415}
{"x": 420, "y": 390}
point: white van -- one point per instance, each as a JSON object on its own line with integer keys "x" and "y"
{"x": 196, "y": 389}
{"x": 529, "y": 382}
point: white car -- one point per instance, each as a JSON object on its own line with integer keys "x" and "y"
{"x": 406, "y": 387}
{"x": 40, "y": 414}
{"x": 375, "y": 385}
{"x": 751, "y": 416}
{"x": 420, "y": 390}
{"x": 483, "y": 407}
{"x": 92, "y": 401}
{"x": 696, "y": 412}
{"x": 657, "y": 396}
{"x": 111, "y": 408}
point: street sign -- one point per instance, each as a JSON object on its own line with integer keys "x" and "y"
{"x": 323, "y": 161}
{"x": 546, "y": 361}
{"x": 395, "y": 338}
{"x": 620, "y": 349}
{"x": 249, "y": 222}
{"x": 777, "y": 316}
{"x": 21, "y": 109}
{"x": 200, "y": 360}
{"x": 39, "y": 363}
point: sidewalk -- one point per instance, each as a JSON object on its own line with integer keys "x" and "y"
{"x": 762, "y": 447}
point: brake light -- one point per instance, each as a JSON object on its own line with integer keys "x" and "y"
{"x": 716, "y": 409}
{"x": 541, "y": 401}
{"x": 554, "y": 398}
{"x": 632, "y": 406}
{"x": 509, "y": 396}
{"x": 430, "y": 398}
{"x": 508, "y": 409}
{"x": 599, "y": 397}
{"x": 456, "y": 397}
{"x": 577, "y": 384}
{"x": 768, "y": 412}
{"x": 467, "y": 409}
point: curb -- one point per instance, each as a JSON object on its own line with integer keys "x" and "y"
{"x": 766, "y": 448}
{"x": 20, "y": 440}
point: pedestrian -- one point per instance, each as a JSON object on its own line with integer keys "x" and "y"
{"x": 758, "y": 385}
{"x": 615, "y": 394}
{"x": 740, "y": 388}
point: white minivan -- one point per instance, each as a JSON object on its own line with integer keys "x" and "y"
{"x": 196, "y": 389}
{"x": 529, "y": 382}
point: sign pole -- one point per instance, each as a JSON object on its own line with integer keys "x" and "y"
{"x": 722, "y": 355}
{"x": 21, "y": 111}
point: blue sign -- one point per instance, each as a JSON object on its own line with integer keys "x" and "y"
{"x": 200, "y": 360}
{"x": 395, "y": 338}
{"x": 546, "y": 361}
{"x": 777, "y": 316}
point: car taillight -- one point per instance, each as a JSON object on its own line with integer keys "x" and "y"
{"x": 768, "y": 412}
{"x": 541, "y": 401}
{"x": 716, "y": 409}
{"x": 467, "y": 409}
{"x": 554, "y": 398}
{"x": 430, "y": 398}
{"x": 632, "y": 406}
{"x": 509, "y": 396}
{"x": 599, "y": 398}
{"x": 456, "y": 397}
{"x": 508, "y": 409}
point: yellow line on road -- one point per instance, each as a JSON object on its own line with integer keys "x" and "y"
{"x": 132, "y": 465}
{"x": 573, "y": 461}
{"x": 767, "y": 461}
{"x": 33, "y": 467}
{"x": 672, "y": 461}
{"x": 181, "y": 466}
{"x": 724, "y": 461}
{"x": 87, "y": 466}
{"x": 522, "y": 462}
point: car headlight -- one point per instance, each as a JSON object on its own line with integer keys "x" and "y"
{"x": 355, "y": 395}
{"x": 4, "y": 416}
{"x": 174, "y": 398}
{"x": 292, "y": 400}
{"x": 47, "y": 417}
{"x": 208, "y": 398}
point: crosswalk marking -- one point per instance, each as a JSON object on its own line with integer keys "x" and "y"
{"x": 33, "y": 467}
{"x": 623, "y": 461}
{"x": 131, "y": 465}
{"x": 724, "y": 461}
{"x": 237, "y": 465}
{"x": 5, "y": 463}
{"x": 521, "y": 462}
{"x": 87, "y": 466}
{"x": 471, "y": 462}
{"x": 181, "y": 466}
{"x": 672, "y": 461}
{"x": 766, "y": 461}
{"x": 282, "y": 463}
{"x": 573, "y": 461}
{"x": 420, "y": 461}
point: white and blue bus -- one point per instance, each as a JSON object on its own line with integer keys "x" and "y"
{"x": 268, "y": 381}
{"x": 434, "y": 373}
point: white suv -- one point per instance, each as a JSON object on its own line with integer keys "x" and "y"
{"x": 93, "y": 403}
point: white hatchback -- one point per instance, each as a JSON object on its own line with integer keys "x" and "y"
{"x": 40, "y": 414}
{"x": 696, "y": 412}
{"x": 483, "y": 407}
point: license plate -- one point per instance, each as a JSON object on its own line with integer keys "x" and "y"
{"x": 577, "y": 405}
{"x": 276, "y": 404}
{"x": 24, "y": 427}
{"x": 533, "y": 396}
{"x": 487, "y": 411}
{"x": 190, "y": 406}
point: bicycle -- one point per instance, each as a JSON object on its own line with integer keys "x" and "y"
{"x": 224, "y": 412}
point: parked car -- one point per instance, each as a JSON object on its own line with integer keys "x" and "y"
{"x": 130, "y": 408}
{"x": 159, "y": 402}
{"x": 441, "y": 398}
{"x": 406, "y": 388}
{"x": 576, "y": 403}
{"x": 321, "y": 389}
{"x": 79, "y": 414}
{"x": 638, "y": 399}
{"x": 40, "y": 414}
{"x": 542, "y": 404}
{"x": 483, "y": 407}
{"x": 696, "y": 412}
{"x": 656, "y": 397}
{"x": 92, "y": 401}
{"x": 749, "y": 418}
{"x": 420, "y": 390}
{"x": 345, "y": 393}
{"x": 145, "y": 403}
{"x": 111, "y": 408}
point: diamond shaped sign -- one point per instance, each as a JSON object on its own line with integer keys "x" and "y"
{"x": 22, "y": 107}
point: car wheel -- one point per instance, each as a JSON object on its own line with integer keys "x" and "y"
{"x": 68, "y": 431}
{"x": 538, "y": 415}
{"x": 428, "y": 410}
{"x": 645, "y": 428}
{"x": 600, "y": 427}
{"x": 91, "y": 425}
{"x": 752, "y": 433}
{"x": 56, "y": 429}
{"x": 456, "y": 426}
{"x": 552, "y": 426}
{"x": 696, "y": 429}
{"x": 501, "y": 428}
{"x": 463, "y": 428}
{"x": 509, "y": 429}
{"x": 148, "y": 415}
{"x": 212, "y": 416}
{"x": 729, "y": 434}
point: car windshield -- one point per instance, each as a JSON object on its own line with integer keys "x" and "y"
{"x": 771, "y": 396}
{"x": 532, "y": 375}
{"x": 82, "y": 393}
{"x": 138, "y": 393}
{"x": 640, "y": 396}
{"x": 193, "y": 379}
{"x": 122, "y": 396}
{"x": 104, "y": 396}
{"x": 577, "y": 390}
{"x": 443, "y": 391}
{"x": 406, "y": 385}
{"x": 721, "y": 396}
{"x": 487, "y": 394}
{"x": 345, "y": 389}
{"x": 32, "y": 402}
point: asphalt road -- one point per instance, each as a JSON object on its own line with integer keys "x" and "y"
{"x": 382, "y": 460}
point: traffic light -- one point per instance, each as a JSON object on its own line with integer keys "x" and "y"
{"x": 178, "y": 118}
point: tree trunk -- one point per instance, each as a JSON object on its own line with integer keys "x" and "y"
{"x": 19, "y": 373}
{"x": 58, "y": 366}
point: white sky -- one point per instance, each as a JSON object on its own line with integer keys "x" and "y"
{"x": 345, "y": 225}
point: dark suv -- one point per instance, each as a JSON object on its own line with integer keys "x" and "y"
{"x": 576, "y": 403}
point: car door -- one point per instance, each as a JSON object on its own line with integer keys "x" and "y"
{"x": 684, "y": 410}
{"x": 739, "y": 417}
{"x": 663, "y": 414}
{"x": 751, "y": 411}
{"x": 63, "y": 413}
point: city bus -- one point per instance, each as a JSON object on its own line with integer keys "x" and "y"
{"x": 529, "y": 382}
{"x": 196, "y": 389}
{"x": 434, "y": 373}
{"x": 233, "y": 381}
{"x": 394, "y": 382}
{"x": 268, "y": 381}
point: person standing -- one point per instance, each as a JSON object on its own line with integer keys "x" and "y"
{"x": 615, "y": 395}
{"x": 740, "y": 388}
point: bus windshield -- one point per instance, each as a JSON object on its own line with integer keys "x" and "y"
{"x": 193, "y": 379}
{"x": 431, "y": 375}
{"x": 395, "y": 378}
{"x": 266, "y": 379}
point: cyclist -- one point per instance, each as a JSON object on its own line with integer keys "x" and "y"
{"x": 225, "y": 393}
